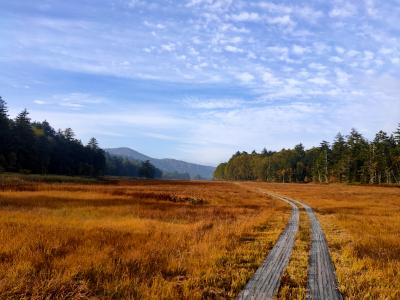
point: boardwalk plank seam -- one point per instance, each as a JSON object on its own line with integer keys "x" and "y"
{"x": 266, "y": 280}
{"x": 322, "y": 281}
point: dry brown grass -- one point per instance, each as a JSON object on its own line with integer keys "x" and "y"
{"x": 139, "y": 239}
{"x": 362, "y": 226}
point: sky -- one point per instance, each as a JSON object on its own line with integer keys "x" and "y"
{"x": 200, "y": 79}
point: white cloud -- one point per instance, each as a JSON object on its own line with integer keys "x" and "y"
{"x": 299, "y": 50}
{"x": 39, "y": 102}
{"x": 321, "y": 48}
{"x": 136, "y": 3}
{"x": 340, "y": 50}
{"x": 335, "y": 59}
{"x": 154, "y": 25}
{"x": 395, "y": 60}
{"x": 168, "y": 47}
{"x": 275, "y": 8}
{"x": 160, "y": 136}
{"x": 71, "y": 105}
{"x": 317, "y": 66}
{"x": 270, "y": 79}
{"x": 193, "y": 3}
{"x": 352, "y": 53}
{"x": 182, "y": 49}
{"x": 281, "y": 53}
{"x": 74, "y": 100}
{"x": 370, "y": 8}
{"x": 245, "y": 17}
{"x": 281, "y": 20}
{"x": 233, "y": 49}
{"x": 343, "y": 10}
{"x": 251, "y": 55}
{"x": 211, "y": 104}
{"x": 305, "y": 12}
{"x": 235, "y": 40}
{"x": 368, "y": 55}
{"x": 245, "y": 77}
{"x": 308, "y": 13}
{"x": 319, "y": 80}
{"x": 341, "y": 76}
{"x": 386, "y": 51}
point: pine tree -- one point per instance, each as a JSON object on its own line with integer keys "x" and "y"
{"x": 24, "y": 141}
{"x": 358, "y": 156}
{"x": 4, "y": 135}
{"x": 396, "y": 135}
{"x": 340, "y": 158}
{"x": 93, "y": 144}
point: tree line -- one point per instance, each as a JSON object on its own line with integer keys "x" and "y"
{"x": 36, "y": 147}
{"x": 351, "y": 159}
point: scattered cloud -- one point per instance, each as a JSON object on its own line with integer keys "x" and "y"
{"x": 245, "y": 17}
{"x": 74, "y": 100}
{"x": 352, "y": 53}
{"x": 39, "y": 102}
{"x": 317, "y": 66}
{"x": 342, "y": 77}
{"x": 245, "y": 77}
{"x": 340, "y": 50}
{"x": 212, "y": 104}
{"x": 319, "y": 80}
{"x": 233, "y": 49}
{"x": 270, "y": 78}
{"x": 343, "y": 10}
{"x": 309, "y": 14}
{"x": 285, "y": 20}
{"x": 232, "y": 62}
{"x": 168, "y": 47}
{"x": 370, "y": 8}
{"x": 299, "y": 50}
{"x": 275, "y": 8}
{"x": 335, "y": 59}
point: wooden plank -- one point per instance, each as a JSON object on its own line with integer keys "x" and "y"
{"x": 266, "y": 280}
{"x": 322, "y": 281}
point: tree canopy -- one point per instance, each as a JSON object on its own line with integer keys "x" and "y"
{"x": 36, "y": 147}
{"x": 350, "y": 158}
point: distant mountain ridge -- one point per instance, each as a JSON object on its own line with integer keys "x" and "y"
{"x": 167, "y": 165}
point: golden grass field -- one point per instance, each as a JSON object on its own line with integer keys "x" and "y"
{"x": 187, "y": 240}
{"x": 362, "y": 227}
{"x": 133, "y": 239}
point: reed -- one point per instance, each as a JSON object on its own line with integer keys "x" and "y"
{"x": 362, "y": 227}
{"x": 133, "y": 239}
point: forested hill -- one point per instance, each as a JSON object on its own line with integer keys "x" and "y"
{"x": 35, "y": 147}
{"x": 350, "y": 158}
{"x": 171, "y": 167}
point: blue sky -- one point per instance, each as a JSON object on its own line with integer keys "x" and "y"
{"x": 200, "y": 79}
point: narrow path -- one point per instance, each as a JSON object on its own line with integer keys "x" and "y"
{"x": 266, "y": 280}
{"x": 322, "y": 282}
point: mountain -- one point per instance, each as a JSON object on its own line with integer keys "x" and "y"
{"x": 167, "y": 165}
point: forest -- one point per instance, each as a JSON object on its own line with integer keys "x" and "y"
{"x": 351, "y": 159}
{"x": 36, "y": 147}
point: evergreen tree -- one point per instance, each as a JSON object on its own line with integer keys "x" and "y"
{"x": 23, "y": 142}
{"x": 37, "y": 148}
{"x": 4, "y": 135}
{"x": 340, "y": 158}
{"x": 350, "y": 159}
{"x": 358, "y": 156}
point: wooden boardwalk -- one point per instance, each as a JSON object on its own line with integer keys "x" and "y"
{"x": 321, "y": 283}
{"x": 265, "y": 282}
